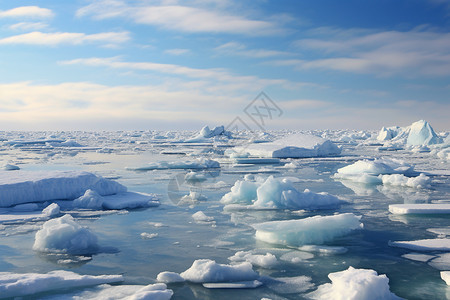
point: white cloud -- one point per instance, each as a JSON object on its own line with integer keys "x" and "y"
{"x": 71, "y": 38}
{"x": 411, "y": 53}
{"x": 181, "y": 18}
{"x": 25, "y": 26}
{"x": 177, "y": 51}
{"x": 27, "y": 12}
{"x": 234, "y": 48}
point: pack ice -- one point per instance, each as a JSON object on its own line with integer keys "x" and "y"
{"x": 293, "y": 146}
{"x": 312, "y": 230}
{"x": 274, "y": 193}
{"x": 355, "y": 284}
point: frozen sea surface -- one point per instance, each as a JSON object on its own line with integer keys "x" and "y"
{"x": 191, "y": 225}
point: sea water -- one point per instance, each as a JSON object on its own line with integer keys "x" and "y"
{"x": 177, "y": 240}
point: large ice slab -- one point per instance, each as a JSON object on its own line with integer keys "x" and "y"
{"x": 313, "y": 230}
{"x": 65, "y": 235}
{"x": 18, "y": 285}
{"x": 294, "y": 146}
{"x": 404, "y": 209}
{"x": 424, "y": 245}
{"x": 275, "y": 193}
{"x": 27, "y": 186}
{"x": 355, "y": 284}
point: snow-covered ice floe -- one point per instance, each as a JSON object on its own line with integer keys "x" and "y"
{"x": 293, "y": 146}
{"x": 405, "y": 209}
{"x": 423, "y": 245}
{"x": 65, "y": 235}
{"x": 156, "y": 291}
{"x": 201, "y": 163}
{"x": 18, "y": 285}
{"x": 355, "y": 284}
{"x": 313, "y": 230}
{"x": 208, "y": 271}
{"x": 273, "y": 193}
{"x": 27, "y": 186}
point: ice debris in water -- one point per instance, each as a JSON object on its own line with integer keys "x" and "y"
{"x": 206, "y": 270}
{"x": 266, "y": 261}
{"x": 274, "y": 193}
{"x": 312, "y": 230}
{"x": 27, "y": 186}
{"x": 65, "y": 235}
{"x": 293, "y": 146}
{"x": 18, "y": 285}
{"x": 355, "y": 284}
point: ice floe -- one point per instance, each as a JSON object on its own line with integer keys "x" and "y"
{"x": 18, "y": 285}
{"x": 274, "y": 193}
{"x": 423, "y": 245}
{"x": 312, "y": 230}
{"x": 420, "y": 208}
{"x": 28, "y": 186}
{"x": 207, "y": 271}
{"x": 201, "y": 163}
{"x": 65, "y": 235}
{"x": 355, "y": 284}
{"x": 445, "y": 275}
{"x": 294, "y": 146}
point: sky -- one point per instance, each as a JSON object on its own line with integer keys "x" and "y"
{"x": 180, "y": 65}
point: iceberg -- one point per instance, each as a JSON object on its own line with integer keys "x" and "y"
{"x": 312, "y": 230}
{"x": 421, "y": 133}
{"x": 274, "y": 193}
{"x": 355, "y": 284}
{"x": 27, "y": 186}
{"x": 206, "y": 134}
{"x": 65, "y": 235}
{"x": 293, "y": 146}
{"x": 208, "y": 271}
{"x": 19, "y": 285}
{"x": 388, "y": 133}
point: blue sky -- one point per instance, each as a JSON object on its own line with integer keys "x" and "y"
{"x": 112, "y": 65}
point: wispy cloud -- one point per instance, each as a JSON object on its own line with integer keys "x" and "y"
{"x": 26, "y": 26}
{"x": 177, "y": 51}
{"x": 234, "y": 48}
{"x": 34, "y": 12}
{"x": 218, "y": 75}
{"x": 69, "y": 38}
{"x": 191, "y": 19}
{"x": 417, "y": 52}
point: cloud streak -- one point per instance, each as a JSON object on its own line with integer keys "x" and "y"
{"x": 68, "y": 38}
{"x": 188, "y": 19}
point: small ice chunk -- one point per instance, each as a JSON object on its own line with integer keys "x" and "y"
{"x": 206, "y": 270}
{"x": 200, "y": 217}
{"x": 266, "y": 261}
{"x": 18, "y": 285}
{"x": 421, "y": 181}
{"x": 405, "y": 209}
{"x": 169, "y": 277}
{"x": 91, "y": 199}
{"x": 147, "y": 235}
{"x": 9, "y": 167}
{"x": 355, "y": 284}
{"x": 423, "y": 245}
{"x": 51, "y": 210}
{"x": 194, "y": 177}
{"x": 234, "y": 285}
{"x": 313, "y": 230}
{"x": 65, "y": 235}
{"x": 193, "y": 197}
{"x": 445, "y": 275}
